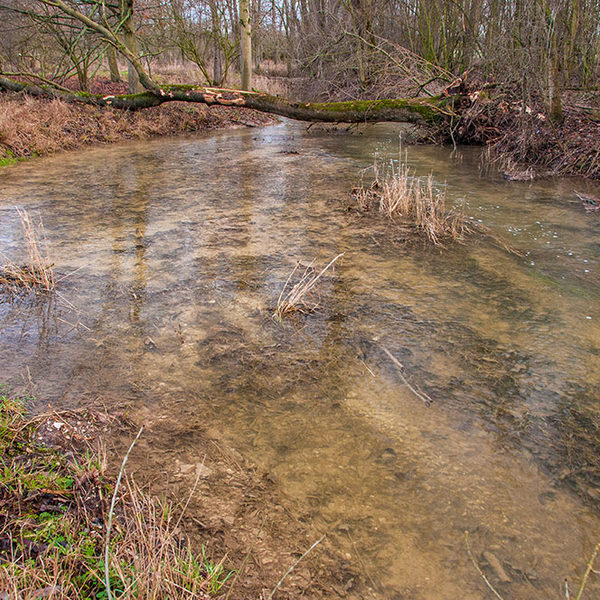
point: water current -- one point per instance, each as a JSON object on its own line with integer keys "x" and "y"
{"x": 174, "y": 253}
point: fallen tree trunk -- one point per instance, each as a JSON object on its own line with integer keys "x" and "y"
{"x": 428, "y": 111}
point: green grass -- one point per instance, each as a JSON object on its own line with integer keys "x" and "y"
{"x": 55, "y": 511}
{"x": 9, "y": 158}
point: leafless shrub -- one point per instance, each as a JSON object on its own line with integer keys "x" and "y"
{"x": 299, "y": 298}
{"x": 37, "y": 273}
{"x": 398, "y": 193}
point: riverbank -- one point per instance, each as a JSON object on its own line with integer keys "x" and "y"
{"x": 59, "y": 524}
{"x": 61, "y": 504}
{"x": 38, "y": 127}
{"x": 522, "y": 140}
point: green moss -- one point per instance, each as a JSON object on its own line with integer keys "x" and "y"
{"x": 429, "y": 110}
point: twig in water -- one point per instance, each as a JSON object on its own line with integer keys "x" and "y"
{"x": 479, "y": 568}
{"x": 589, "y": 569}
{"x": 110, "y": 515}
{"x": 367, "y": 367}
{"x": 362, "y": 564}
{"x": 293, "y": 567}
{"x": 420, "y": 395}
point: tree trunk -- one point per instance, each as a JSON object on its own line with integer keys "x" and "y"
{"x": 246, "y": 44}
{"x": 426, "y": 111}
{"x": 113, "y": 65}
{"x": 133, "y": 79}
{"x": 131, "y": 42}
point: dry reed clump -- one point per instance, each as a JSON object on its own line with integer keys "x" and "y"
{"x": 300, "y": 296}
{"x": 36, "y": 274}
{"x": 54, "y": 528}
{"x": 397, "y": 192}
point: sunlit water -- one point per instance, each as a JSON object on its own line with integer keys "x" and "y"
{"x": 176, "y": 252}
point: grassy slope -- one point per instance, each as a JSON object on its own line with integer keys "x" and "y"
{"x": 34, "y": 127}
{"x": 53, "y": 524}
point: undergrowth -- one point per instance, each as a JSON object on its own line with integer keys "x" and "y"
{"x": 53, "y": 526}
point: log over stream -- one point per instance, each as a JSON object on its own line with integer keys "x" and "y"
{"x": 433, "y": 110}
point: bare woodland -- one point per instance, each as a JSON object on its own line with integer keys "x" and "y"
{"x": 424, "y": 61}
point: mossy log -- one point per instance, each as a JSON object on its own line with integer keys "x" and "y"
{"x": 429, "y": 111}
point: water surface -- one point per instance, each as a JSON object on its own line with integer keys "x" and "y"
{"x": 176, "y": 252}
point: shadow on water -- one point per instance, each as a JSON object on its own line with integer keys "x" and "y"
{"x": 179, "y": 250}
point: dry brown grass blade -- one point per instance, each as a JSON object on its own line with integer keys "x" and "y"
{"x": 299, "y": 298}
{"x": 36, "y": 274}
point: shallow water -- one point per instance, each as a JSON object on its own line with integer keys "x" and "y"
{"x": 176, "y": 252}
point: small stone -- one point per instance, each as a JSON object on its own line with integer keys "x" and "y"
{"x": 202, "y": 470}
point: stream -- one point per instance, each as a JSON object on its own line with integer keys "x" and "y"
{"x": 171, "y": 255}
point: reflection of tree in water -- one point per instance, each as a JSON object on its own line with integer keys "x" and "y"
{"x": 33, "y": 315}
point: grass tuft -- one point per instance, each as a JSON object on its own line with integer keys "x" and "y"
{"x": 53, "y": 525}
{"x": 300, "y": 296}
{"x": 36, "y": 274}
{"x": 398, "y": 193}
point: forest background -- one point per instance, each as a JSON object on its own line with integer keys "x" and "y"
{"x": 529, "y": 68}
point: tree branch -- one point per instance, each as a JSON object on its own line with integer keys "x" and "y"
{"x": 434, "y": 110}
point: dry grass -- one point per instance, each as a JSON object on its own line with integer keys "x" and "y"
{"x": 36, "y": 274}
{"x": 300, "y": 297}
{"x": 53, "y": 526}
{"x": 38, "y": 127}
{"x": 398, "y": 193}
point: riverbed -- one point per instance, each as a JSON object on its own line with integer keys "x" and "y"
{"x": 170, "y": 256}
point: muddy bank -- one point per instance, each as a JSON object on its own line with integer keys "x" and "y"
{"x": 216, "y": 524}
{"x": 38, "y": 127}
{"x": 238, "y": 509}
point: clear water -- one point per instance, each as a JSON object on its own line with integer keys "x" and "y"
{"x": 177, "y": 251}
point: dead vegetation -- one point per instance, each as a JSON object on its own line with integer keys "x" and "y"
{"x": 301, "y": 296}
{"x": 54, "y": 533}
{"x": 524, "y": 140}
{"x": 397, "y": 193}
{"x": 38, "y": 127}
{"x": 36, "y": 274}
